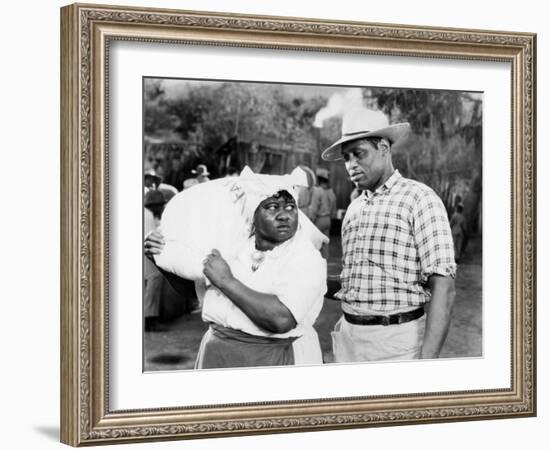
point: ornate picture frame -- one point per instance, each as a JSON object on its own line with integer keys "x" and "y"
{"x": 87, "y": 31}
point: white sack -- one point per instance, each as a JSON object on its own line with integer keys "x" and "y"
{"x": 219, "y": 214}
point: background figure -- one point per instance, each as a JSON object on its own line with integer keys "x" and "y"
{"x": 305, "y": 192}
{"x": 154, "y": 205}
{"x": 151, "y": 179}
{"x": 323, "y": 206}
{"x": 190, "y": 182}
{"x": 201, "y": 172}
{"x": 167, "y": 190}
{"x": 458, "y": 229}
{"x": 201, "y": 176}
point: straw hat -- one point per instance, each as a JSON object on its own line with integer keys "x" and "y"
{"x": 151, "y": 173}
{"x": 201, "y": 170}
{"x": 363, "y": 124}
{"x": 321, "y": 172}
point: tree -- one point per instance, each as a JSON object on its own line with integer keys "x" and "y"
{"x": 445, "y": 151}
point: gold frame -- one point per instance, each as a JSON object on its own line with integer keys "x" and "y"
{"x": 86, "y": 31}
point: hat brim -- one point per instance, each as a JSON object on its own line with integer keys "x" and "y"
{"x": 394, "y": 133}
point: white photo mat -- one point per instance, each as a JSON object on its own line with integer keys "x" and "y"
{"x": 130, "y": 388}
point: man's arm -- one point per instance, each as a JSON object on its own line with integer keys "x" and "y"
{"x": 265, "y": 310}
{"x": 439, "y": 315}
{"x": 435, "y": 248}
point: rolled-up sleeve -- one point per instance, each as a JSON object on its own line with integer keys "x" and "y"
{"x": 433, "y": 238}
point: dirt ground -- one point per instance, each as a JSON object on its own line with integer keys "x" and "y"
{"x": 176, "y": 347}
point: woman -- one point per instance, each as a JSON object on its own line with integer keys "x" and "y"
{"x": 264, "y": 298}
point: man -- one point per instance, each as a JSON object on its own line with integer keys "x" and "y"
{"x": 458, "y": 229}
{"x": 151, "y": 179}
{"x": 323, "y": 206}
{"x": 305, "y": 192}
{"x": 201, "y": 176}
{"x": 154, "y": 205}
{"x": 398, "y": 258}
{"x": 201, "y": 172}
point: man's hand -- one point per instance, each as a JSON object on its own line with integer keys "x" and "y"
{"x": 217, "y": 270}
{"x": 153, "y": 244}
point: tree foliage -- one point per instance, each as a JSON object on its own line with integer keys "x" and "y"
{"x": 209, "y": 115}
{"x": 446, "y": 149}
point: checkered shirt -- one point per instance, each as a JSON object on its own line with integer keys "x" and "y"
{"x": 393, "y": 239}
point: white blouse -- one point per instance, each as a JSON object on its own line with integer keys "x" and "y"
{"x": 294, "y": 271}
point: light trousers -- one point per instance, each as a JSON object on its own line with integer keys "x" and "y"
{"x": 356, "y": 343}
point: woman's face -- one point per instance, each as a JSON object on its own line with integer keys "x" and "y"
{"x": 276, "y": 219}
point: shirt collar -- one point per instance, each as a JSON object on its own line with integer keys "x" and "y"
{"x": 386, "y": 187}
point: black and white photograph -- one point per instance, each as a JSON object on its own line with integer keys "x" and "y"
{"x": 298, "y": 224}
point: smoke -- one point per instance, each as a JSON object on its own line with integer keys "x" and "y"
{"x": 343, "y": 104}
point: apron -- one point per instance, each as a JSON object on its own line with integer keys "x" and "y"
{"x": 223, "y": 347}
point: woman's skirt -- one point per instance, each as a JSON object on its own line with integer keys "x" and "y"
{"x": 223, "y": 347}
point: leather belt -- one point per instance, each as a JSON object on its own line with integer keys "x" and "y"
{"x": 393, "y": 319}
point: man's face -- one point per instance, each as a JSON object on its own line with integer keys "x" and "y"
{"x": 276, "y": 219}
{"x": 365, "y": 162}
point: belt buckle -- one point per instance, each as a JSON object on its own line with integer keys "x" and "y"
{"x": 386, "y": 321}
